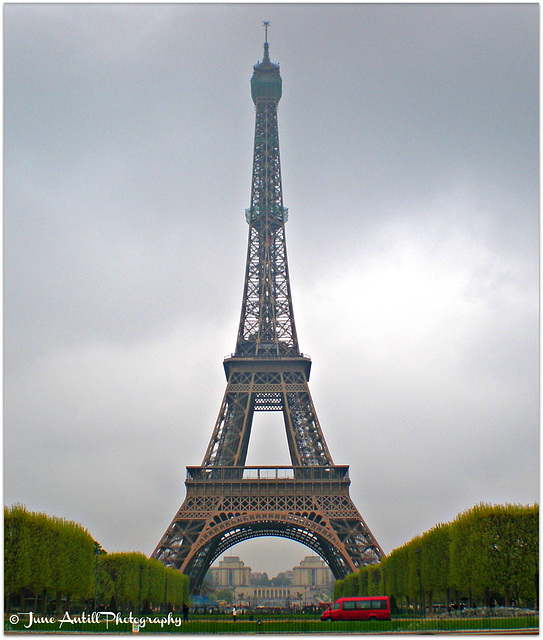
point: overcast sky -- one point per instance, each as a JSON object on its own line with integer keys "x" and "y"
{"x": 409, "y": 150}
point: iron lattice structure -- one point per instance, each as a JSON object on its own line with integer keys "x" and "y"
{"x": 226, "y": 501}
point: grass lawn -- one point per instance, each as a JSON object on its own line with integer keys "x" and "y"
{"x": 267, "y": 625}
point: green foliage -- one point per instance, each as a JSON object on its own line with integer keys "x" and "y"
{"x": 281, "y": 581}
{"x": 338, "y": 589}
{"x": 17, "y": 549}
{"x": 488, "y": 549}
{"x": 224, "y": 595}
{"x": 46, "y": 554}
{"x": 132, "y": 579}
{"x": 363, "y": 577}
{"x": 435, "y": 560}
{"x": 374, "y": 580}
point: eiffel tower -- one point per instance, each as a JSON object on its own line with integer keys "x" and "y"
{"x": 226, "y": 501}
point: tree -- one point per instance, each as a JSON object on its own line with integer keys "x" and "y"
{"x": 50, "y": 555}
{"x": 485, "y": 550}
{"x": 435, "y": 562}
{"x": 225, "y": 595}
{"x": 17, "y": 551}
{"x": 46, "y": 554}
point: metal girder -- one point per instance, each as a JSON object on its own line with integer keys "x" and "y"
{"x": 267, "y": 326}
{"x": 251, "y": 389}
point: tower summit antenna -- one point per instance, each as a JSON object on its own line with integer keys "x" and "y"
{"x": 266, "y": 24}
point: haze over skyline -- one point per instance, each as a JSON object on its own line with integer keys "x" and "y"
{"x": 410, "y": 163}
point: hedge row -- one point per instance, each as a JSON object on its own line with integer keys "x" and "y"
{"x": 131, "y": 581}
{"x": 50, "y": 557}
{"x": 46, "y": 554}
{"x": 487, "y": 553}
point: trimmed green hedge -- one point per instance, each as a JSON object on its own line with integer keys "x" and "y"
{"x": 486, "y": 553}
{"x": 133, "y": 581}
{"x": 50, "y": 557}
{"x": 46, "y": 554}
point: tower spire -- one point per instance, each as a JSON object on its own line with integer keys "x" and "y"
{"x": 266, "y": 24}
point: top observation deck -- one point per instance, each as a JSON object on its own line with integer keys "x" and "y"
{"x": 266, "y": 83}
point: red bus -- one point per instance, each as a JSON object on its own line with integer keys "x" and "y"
{"x": 370, "y": 608}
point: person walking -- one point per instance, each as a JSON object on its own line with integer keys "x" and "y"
{"x": 234, "y": 613}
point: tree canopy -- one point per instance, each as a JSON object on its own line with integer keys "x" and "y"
{"x": 489, "y": 551}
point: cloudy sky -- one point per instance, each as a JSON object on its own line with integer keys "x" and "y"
{"x": 409, "y": 150}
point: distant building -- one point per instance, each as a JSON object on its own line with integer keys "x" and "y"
{"x": 313, "y": 573}
{"x": 230, "y": 573}
{"x": 308, "y": 583}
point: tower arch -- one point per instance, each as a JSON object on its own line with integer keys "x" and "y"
{"x": 228, "y": 505}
